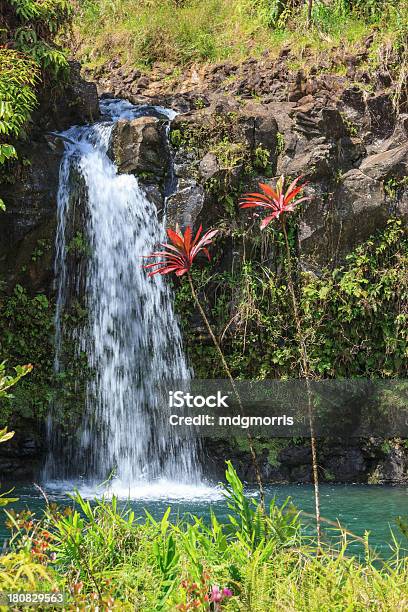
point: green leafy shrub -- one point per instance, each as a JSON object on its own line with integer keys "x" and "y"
{"x": 26, "y": 325}
{"x": 354, "y": 316}
{"x": 28, "y": 58}
{"x": 100, "y": 554}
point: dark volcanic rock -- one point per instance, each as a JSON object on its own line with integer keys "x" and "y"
{"x": 358, "y": 209}
{"x": 293, "y": 456}
{"x": 30, "y": 217}
{"x": 390, "y": 164}
{"x": 346, "y": 465}
{"x": 139, "y": 146}
{"x": 382, "y": 114}
{"x": 394, "y": 468}
{"x": 185, "y": 206}
{"x": 21, "y": 457}
{"x": 76, "y": 104}
{"x": 31, "y": 183}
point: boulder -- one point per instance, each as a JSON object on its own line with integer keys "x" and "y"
{"x": 139, "y": 146}
{"x": 184, "y": 207}
{"x": 394, "y": 468}
{"x": 346, "y": 465}
{"x": 389, "y": 164}
{"x": 209, "y": 166}
{"x": 358, "y": 209}
{"x": 294, "y": 456}
{"x": 382, "y": 114}
{"x": 399, "y": 136}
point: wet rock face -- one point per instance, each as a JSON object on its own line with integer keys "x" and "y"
{"x": 139, "y": 147}
{"x": 348, "y": 166}
{"x": 213, "y": 147}
{"x": 345, "y": 139}
{"x": 30, "y": 219}
{"x": 21, "y": 457}
{"x": 29, "y": 188}
{"x": 344, "y": 461}
{"x": 77, "y": 103}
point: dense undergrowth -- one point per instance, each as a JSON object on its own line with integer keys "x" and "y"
{"x": 29, "y": 59}
{"x": 354, "y": 317}
{"x": 178, "y": 32}
{"x": 355, "y": 321}
{"x": 27, "y": 335}
{"x": 101, "y": 554}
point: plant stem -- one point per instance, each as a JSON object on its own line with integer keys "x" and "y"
{"x": 234, "y": 387}
{"x": 309, "y": 13}
{"x": 306, "y": 372}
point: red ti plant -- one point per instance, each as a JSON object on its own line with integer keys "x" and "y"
{"x": 178, "y": 257}
{"x": 180, "y": 254}
{"x": 278, "y": 202}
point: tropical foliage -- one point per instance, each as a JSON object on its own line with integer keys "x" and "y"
{"x": 354, "y": 315}
{"x": 180, "y": 254}
{"x": 7, "y": 381}
{"x": 277, "y": 201}
{"x": 102, "y": 554}
{"x": 28, "y": 58}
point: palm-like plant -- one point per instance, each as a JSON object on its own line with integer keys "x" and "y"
{"x": 278, "y": 202}
{"x": 180, "y": 254}
{"x": 178, "y": 257}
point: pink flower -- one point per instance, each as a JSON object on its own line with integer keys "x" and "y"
{"x": 218, "y": 595}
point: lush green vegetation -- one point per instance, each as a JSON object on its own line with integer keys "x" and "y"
{"x": 27, "y": 335}
{"x": 28, "y": 58}
{"x": 354, "y": 318}
{"x": 101, "y": 554}
{"x": 26, "y": 325}
{"x": 177, "y": 32}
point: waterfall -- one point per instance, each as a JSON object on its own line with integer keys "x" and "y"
{"x": 131, "y": 337}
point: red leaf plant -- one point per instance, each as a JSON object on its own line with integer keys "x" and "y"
{"x": 276, "y": 201}
{"x": 178, "y": 257}
{"x": 182, "y": 251}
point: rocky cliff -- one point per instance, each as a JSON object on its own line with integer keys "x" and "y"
{"x": 236, "y": 125}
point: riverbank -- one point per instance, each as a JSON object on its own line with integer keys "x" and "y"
{"x": 101, "y": 555}
{"x": 357, "y": 508}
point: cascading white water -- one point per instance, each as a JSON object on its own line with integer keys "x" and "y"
{"x": 131, "y": 338}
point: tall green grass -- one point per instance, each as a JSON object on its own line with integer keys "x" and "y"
{"x": 100, "y": 554}
{"x": 179, "y": 32}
